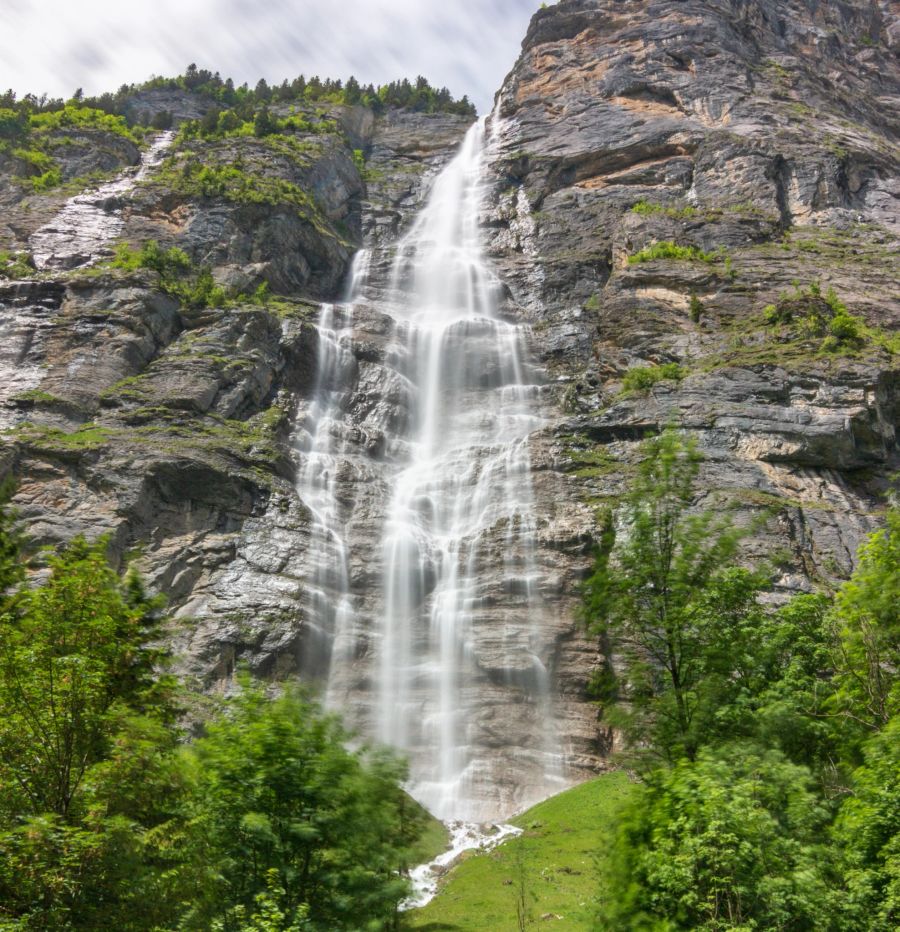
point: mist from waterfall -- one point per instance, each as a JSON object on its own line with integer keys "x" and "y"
{"x": 458, "y": 507}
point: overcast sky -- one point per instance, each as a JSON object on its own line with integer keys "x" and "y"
{"x": 54, "y": 46}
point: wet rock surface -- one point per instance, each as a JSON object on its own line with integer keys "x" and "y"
{"x": 762, "y": 134}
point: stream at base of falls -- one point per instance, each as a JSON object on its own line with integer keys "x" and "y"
{"x": 464, "y": 836}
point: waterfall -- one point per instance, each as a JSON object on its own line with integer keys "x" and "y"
{"x": 88, "y": 221}
{"x": 323, "y": 441}
{"x": 458, "y": 619}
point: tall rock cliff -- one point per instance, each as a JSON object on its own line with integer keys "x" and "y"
{"x": 702, "y": 193}
{"x": 706, "y": 187}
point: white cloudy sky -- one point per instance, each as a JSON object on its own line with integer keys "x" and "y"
{"x": 54, "y": 46}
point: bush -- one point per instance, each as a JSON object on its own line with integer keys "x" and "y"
{"x": 47, "y": 181}
{"x": 289, "y": 809}
{"x": 845, "y": 328}
{"x": 819, "y": 315}
{"x": 78, "y": 117}
{"x": 107, "y": 821}
{"x": 641, "y": 378}
{"x": 174, "y": 267}
{"x": 696, "y": 308}
{"x": 649, "y": 207}
{"x": 15, "y": 265}
{"x": 151, "y": 255}
{"x": 162, "y": 119}
{"x": 731, "y": 841}
{"x": 669, "y": 250}
{"x": 13, "y": 123}
{"x": 773, "y": 314}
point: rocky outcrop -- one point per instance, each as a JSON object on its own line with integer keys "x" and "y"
{"x": 172, "y": 429}
{"x": 762, "y": 136}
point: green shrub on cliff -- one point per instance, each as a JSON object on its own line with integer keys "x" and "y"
{"x": 641, "y": 378}
{"x": 15, "y": 264}
{"x": 177, "y": 277}
{"x": 168, "y": 262}
{"x": 75, "y": 117}
{"x": 669, "y": 250}
{"x": 813, "y": 314}
{"x": 13, "y": 123}
{"x": 648, "y": 208}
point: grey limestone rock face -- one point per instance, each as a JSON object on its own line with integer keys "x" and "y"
{"x": 763, "y": 135}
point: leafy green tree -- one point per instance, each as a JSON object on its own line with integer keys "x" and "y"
{"x": 731, "y": 841}
{"x": 267, "y": 914}
{"x": 162, "y": 119}
{"x": 263, "y": 123}
{"x": 867, "y": 703}
{"x": 789, "y": 700}
{"x": 209, "y": 121}
{"x": 650, "y": 600}
{"x": 11, "y": 569}
{"x": 91, "y": 786}
{"x": 279, "y": 792}
{"x": 76, "y": 656}
{"x": 229, "y": 121}
{"x": 268, "y": 823}
{"x": 765, "y": 722}
{"x": 867, "y": 613}
{"x": 868, "y": 831}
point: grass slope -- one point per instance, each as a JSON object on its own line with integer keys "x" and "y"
{"x": 434, "y": 838}
{"x": 554, "y": 862}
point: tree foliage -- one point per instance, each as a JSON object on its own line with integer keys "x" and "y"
{"x": 268, "y": 823}
{"x": 867, "y": 611}
{"x": 649, "y": 599}
{"x": 283, "y": 802}
{"x": 89, "y": 782}
{"x": 733, "y": 840}
{"x": 114, "y": 111}
{"x": 767, "y": 734}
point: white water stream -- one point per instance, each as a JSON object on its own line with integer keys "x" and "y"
{"x": 441, "y": 615}
{"x": 457, "y": 560}
{"x": 324, "y": 442}
{"x": 75, "y": 236}
{"x": 464, "y": 488}
{"x": 464, "y": 836}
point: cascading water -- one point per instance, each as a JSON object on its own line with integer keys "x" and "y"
{"x": 88, "y": 221}
{"x": 323, "y": 443}
{"x": 465, "y": 487}
{"x": 459, "y": 617}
